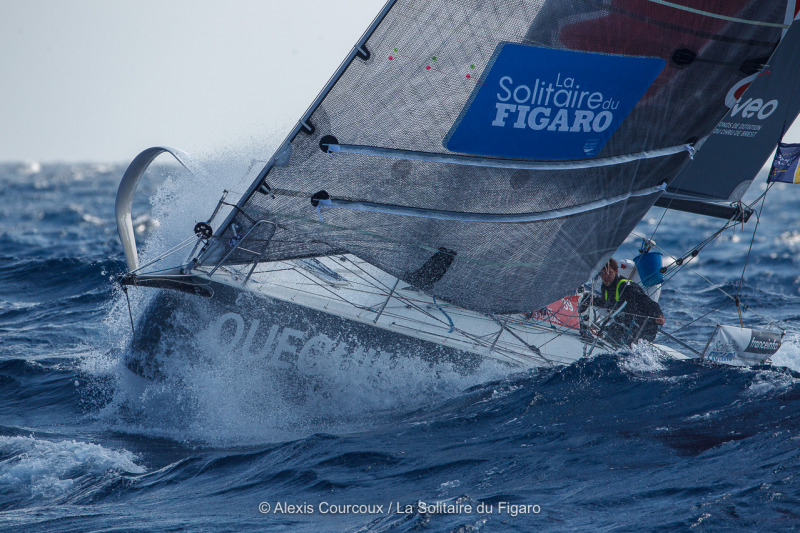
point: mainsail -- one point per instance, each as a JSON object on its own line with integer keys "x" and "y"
{"x": 495, "y": 153}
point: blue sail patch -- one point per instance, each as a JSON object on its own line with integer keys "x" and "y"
{"x": 540, "y": 103}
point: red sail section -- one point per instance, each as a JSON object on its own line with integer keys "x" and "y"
{"x": 650, "y": 29}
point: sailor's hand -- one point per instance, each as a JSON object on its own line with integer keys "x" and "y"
{"x": 660, "y": 320}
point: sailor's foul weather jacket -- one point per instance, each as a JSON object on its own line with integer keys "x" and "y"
{"x": 639, "y": 313}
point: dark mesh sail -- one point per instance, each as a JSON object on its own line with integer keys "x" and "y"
{"x": 403, "y": 105}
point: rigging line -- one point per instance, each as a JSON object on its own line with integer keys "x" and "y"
{"x": 375, "y": 282}
{"x": 166, "y": 270}
{"x": 699, "y": 246}
{"x": 750, "y": 249}
{"x": 371, "y": 281}
{"x": 350, "y": 289}
{"x": 169, "y": 252}
{"x": 452, "y": 326}
{"x": 521, "y": 164}
{"x": 318, "y": 284}
{"x": 130, "y": 313}
{"x": 424, "y": 312}
{"x": 427, "y": 330}
{"x": 397, "y": 295}
{"x": 729, "y": 223}
{"x": 512, "y": 355}
{"x": 760, "y": 196}
{"x": 426, "y": 327}
{"x": 720, "y": 306}
{"x": 308, "y": 292}
{"x": 558, "y": 334}
{"x": 177, "y": 278}
{"x": 412, "y": 305}
{"x": 358, "y": 281}
{"x": 355, "y": 289}
{"x": 532, "y": 347}
{"x": 710, "y": 283}
{"x": 660, "y": 220}
{"x": 273, "y": 270}
{"x": 682, "y": 260}
{"x": 717, "y": 16}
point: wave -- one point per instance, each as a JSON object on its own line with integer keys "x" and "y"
{"x": 617, "y": 438}
{"x": 36, "y": 470}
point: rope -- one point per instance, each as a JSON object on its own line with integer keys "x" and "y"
{"x": 452, "y": 326}
{"x": 174, "y": 249}
{"x": 700, "y": 317}
{"x": 130, "y": 313}
{"x": 735, "y": 298}
{"x": 752, "y": 240}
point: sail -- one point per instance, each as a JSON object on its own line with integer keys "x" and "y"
{"x": 495, "y": 154}
{"x": 762, "y": 107}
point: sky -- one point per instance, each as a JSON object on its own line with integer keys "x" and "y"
{"x": 101, "y": 80}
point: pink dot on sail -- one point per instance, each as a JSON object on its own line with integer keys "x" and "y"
{"x": 428, "y": 67}
{"x": 467, "y": 76}
{"x": 390, "y": 58}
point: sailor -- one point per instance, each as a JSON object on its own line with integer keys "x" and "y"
{"x": 638, "y": 317}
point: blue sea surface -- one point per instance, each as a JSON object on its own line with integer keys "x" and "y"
{"x": 619, "y": 442}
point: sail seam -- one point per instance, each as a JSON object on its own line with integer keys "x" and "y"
{"x": 521, "y": 164}
{"x": 718, "y": 16}
{"x": 490, "y": 217}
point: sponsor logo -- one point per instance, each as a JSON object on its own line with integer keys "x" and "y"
{"x": 282, "y": 347}
{"x": 736, "y": 92}
{"x": 723, "y": 351}
{"x": 541, "y": 103}
{"x": 721, "y": 356}
{"x": 729, "y": 346}
{"x": 569, "y": 109}
{"x": 752, "y": 107}
{"x": 763, "y": 343}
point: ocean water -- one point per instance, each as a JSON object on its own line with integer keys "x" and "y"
{"x": 619, "y": 442}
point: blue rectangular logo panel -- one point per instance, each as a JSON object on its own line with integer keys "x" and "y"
{"x": 540, "y": 103}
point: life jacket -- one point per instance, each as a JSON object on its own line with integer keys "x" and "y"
{"x": 616, "y": 296}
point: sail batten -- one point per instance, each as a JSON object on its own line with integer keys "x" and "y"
{"x": 489, "y": 217}
{"x": 457, "y": 159}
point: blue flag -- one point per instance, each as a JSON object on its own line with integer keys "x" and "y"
{"x": 784, "y": 166}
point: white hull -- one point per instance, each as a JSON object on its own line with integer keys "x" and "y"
{"x": 285, "y": 310}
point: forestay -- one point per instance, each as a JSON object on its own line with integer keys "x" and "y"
{"x": 557, "y": 119}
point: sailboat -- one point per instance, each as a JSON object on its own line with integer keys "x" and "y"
{"x": 472, "y": 161}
